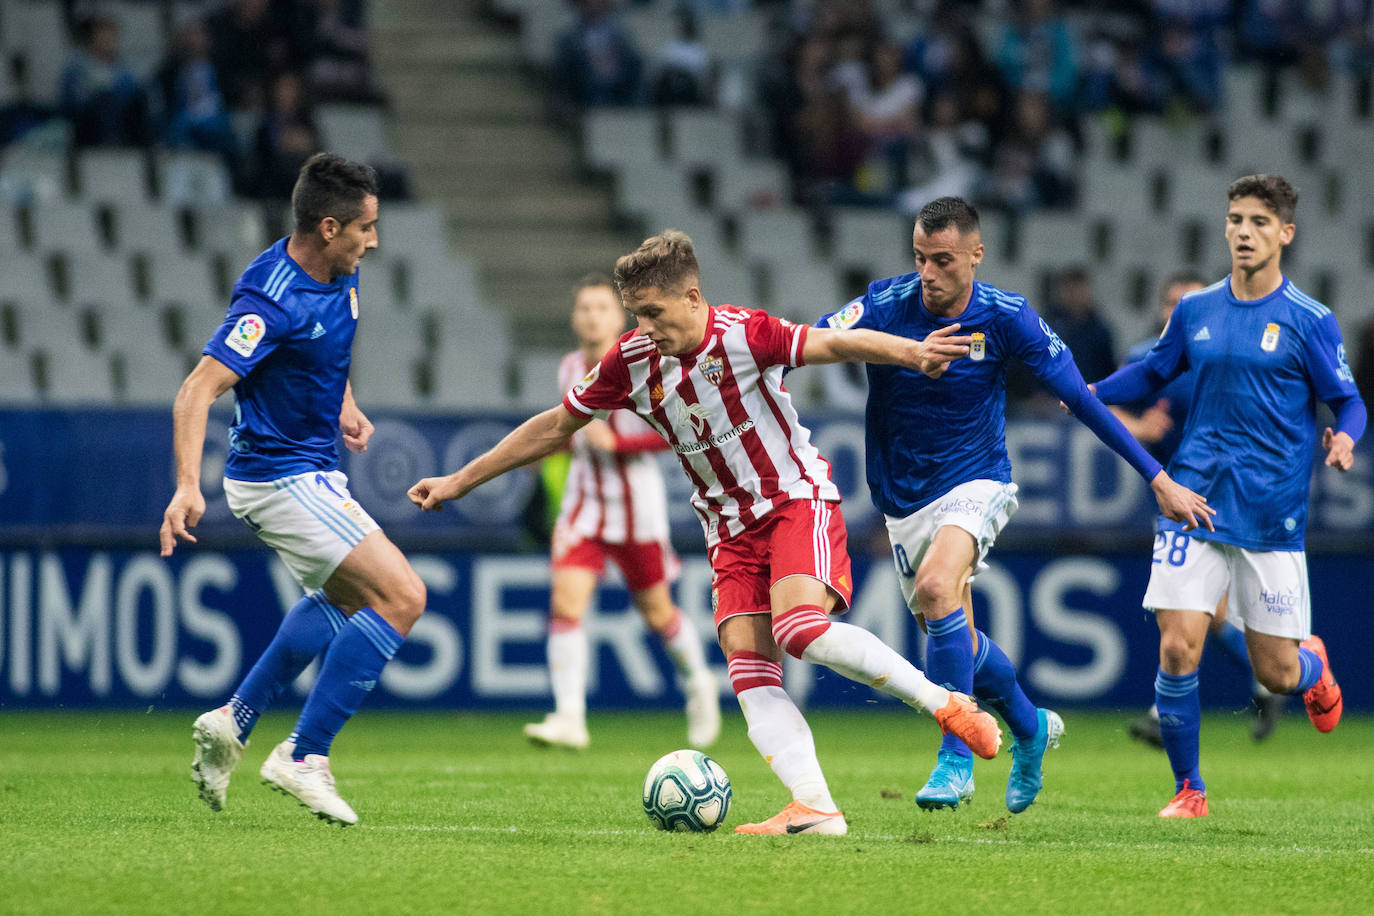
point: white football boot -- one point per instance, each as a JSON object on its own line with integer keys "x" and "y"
{"x": 218, "y": 751}
{"x": 309, "y": 782}
{"x": 703, "y": 711}
{"x": 559, "y": 730}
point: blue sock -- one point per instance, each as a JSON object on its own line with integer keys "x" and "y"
{"x": 304, "y": 632}
{"x": 1309, "y": 669}
{"x": 1232, "y": 642}
{"x": 994, "y": 683}
{"x": 351, "y": 667}
{"x": 1180, "y": 721}
{"x": 949, "y": 661}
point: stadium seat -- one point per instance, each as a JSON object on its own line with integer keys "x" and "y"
{"x": 804, "y": 290}
{"x": 33, "y": 175}
{"x": 1053, "y": 238}
{"x": 71, "y": 380}
{"x": 27, "y": 277}
{"x": 876, "y": 242}
{"x": 65, "y": 226}
{"x": 11, "y": 239}
{"x": 702, "y": 137}
{"x": 751, "y": 184}
{"x": 471, "y": 365}
{"x": 188, "y": 278}
{"x": 537, "y": 379}
{"x": 237, "y": 231}
{"x": 148, "y": 227}
{"x": 615, "y": 137}
{"x": 36, "y": 32}
{"x": 147, "y": 379}
{"x": 736, "y": 37}
{"x": 92, "y": 277}
{"x": 782, "y": 238}
{"x": 413, "y": 231}
{"x": 143, "y": 40}
{"x": 17, "y": 386}
{"x": 355, "y": 131}
{"x": 652, "y": 191}
{"x": 186, "y": 178}
{"x": 112, "y": 176}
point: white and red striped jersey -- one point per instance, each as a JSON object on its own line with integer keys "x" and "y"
{"x": 723, "y": 410}
{"x": 614, "y": 496}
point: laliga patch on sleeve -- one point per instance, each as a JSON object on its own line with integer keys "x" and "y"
{"x": 848, "y": 316}
{"x": 246, "y": 334}
{"x": 587, "y": 379}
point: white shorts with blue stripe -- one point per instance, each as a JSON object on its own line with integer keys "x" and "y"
{"x": 980, "y": 507}
{"x": 311, "y": 520}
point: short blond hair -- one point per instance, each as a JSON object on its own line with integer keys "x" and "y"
{"x": 666, "y": 261}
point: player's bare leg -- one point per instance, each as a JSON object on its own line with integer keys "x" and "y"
{"x": 1285, "y": 666}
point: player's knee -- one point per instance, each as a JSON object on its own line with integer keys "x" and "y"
{"x": 409, "y": 599}
{"x": 936, "y": 595}
{"x": 1277, "y": 677}
{"x": 1177, "y": 655}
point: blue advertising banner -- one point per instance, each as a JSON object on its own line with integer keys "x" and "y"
{"x": 83, "y": 474}
{"x": 119, "y": 628}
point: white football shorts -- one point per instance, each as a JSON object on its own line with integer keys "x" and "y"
{"x": 310, "y": 520}
{"x": 1267, "y": 589}
{"x": 980, "y": 507}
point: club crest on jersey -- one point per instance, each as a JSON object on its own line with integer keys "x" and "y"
{"x": 247, "y": 333}
{"x": 713, "y": 368}
{"x": 978, "y": 348}
{"x": 353, "y": 302}
{"x": 1270, "y": 340}
{"x": 848, "y": 316}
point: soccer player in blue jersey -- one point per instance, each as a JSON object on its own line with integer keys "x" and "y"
{"x": 938, "y": 469}
{"x": 1262, "y": 353}
{"x": 284, "y": 348}
{"x": 1158, "y": 423}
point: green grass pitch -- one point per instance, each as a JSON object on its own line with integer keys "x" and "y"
{"x": 458, "y": 814}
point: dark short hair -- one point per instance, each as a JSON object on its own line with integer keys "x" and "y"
{"x": 1271, "y": 190}
{"x": 330, "y": 185}
{"x": 948, "y": 211}
{"x": 590, "y": 280}
{"x": 665, "y": 261}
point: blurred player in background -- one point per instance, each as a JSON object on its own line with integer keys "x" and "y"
{"x": 709, "y": 380}
{"x": 937, "y": 466}
{"x": 1262, "y": 352}
{"x": 1158, "y": 423}
{"x": 284, "y": 348}
{"x": 614, "y": 506}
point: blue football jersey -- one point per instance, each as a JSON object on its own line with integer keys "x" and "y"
{"x": 926, "y": 436}
{"x": 1179, "y": 394}
{"x": 290, "y": 338}
{"x": 1259, "y": 367}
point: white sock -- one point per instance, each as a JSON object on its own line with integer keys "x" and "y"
{"x": 863, "y": 657}
{"x": 684, "y": 649}
{"x": 567, "y": 650}
{"x": 781, "y": 735}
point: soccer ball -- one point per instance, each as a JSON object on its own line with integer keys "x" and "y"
{"x": 686, "y": 791}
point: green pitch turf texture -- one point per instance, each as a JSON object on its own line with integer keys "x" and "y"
{"x": 459, "y": 814}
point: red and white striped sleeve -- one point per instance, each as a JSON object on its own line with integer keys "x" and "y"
{"x": 775, "y": 341}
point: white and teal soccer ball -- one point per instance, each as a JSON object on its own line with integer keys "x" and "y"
{"x": 686, "y": 791}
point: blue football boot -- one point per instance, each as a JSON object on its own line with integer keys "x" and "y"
{"x": 1027, "y": 755}
{"x": 950, "y": 783}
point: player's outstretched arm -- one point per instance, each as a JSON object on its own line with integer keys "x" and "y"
{"x": 353, "y": 423}
{"x": 538, "y": 437}
{"x": 1180, "y": 504}
{"x": 190, "y": 412}
{"x": 930, "y": 356}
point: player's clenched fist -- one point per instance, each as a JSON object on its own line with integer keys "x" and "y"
{"x": 431, "y": 493}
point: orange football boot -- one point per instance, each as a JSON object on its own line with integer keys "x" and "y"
{"x": 1323, "y": 699}
{"x": 797, "y": 818}
{"x": 1187, "y": 803}
{"x": 962, "y": 718}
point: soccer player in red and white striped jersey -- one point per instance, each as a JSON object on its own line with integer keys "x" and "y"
{"x": 709, "y": 379}
{"x": 614, "y": 507}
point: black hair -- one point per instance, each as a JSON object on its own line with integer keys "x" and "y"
{"x": 948, "y": 211}
{"x": 1271, "y": 190}
{"x": 330, "y": 185}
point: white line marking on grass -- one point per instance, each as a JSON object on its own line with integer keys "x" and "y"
{"x": 892, "y": 838}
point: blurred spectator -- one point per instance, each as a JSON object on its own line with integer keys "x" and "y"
{"x": 886, "y": 106}
{"x": 949, "y": 162}
{"x": 335, "y": 38}
{"x": 285, "y": 138}
{"x": 595, "y": 62}
{"x": 680, "y": 73}
{"x": 1187, "y": 63}
{"x": 1349, "y": 28}
{"x": 826, "y": 148}
{"x": 102, "y": 98}
{"x": 1033, "y": 165}
{"x": 1037, "y": 52}
{"x": 249, "y": 46}
{"x": 1072, "y": 312}
{"x": 193, "y": 112}
{"x": 1274, "y": 32}
{"x": 1116, "y": 77}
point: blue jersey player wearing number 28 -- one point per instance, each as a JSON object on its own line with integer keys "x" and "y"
{"x": 938, "y": 469}
{"x": 1262, "y": 353}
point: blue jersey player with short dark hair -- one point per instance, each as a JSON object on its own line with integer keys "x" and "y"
{"x": 285, "y": 348}
{"x": 1262, "y": 352}
{"x": 938, "y": 469}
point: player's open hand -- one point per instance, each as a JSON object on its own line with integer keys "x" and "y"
{"x": 183, "y": 512}
{"x": 940, "y": 348}
{"x": 431, "y": 493}
{"x": 1180, "y": 504}
{"x": 1340, "y": 450}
